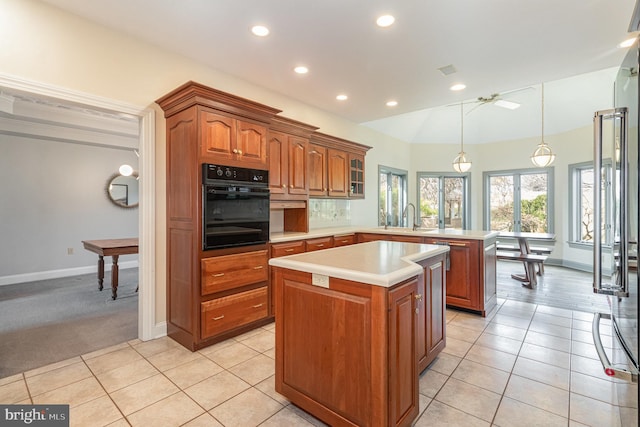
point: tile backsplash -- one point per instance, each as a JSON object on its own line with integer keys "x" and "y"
{"x": 329, "y": 213}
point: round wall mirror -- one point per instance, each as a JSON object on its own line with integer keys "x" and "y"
{"x": 123, "y": 190}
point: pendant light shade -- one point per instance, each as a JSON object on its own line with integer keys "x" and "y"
{"x": 461, "y": 164}
{"x": 543, "y": 156}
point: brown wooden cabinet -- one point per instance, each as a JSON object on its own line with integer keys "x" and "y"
{"x": 317, "y": 170}
{"x": 431, "y": 336}
{"x": 356, "y": 175}
{"x": 471, "y": 278}
{"x": 344, "y": 239}
{"x": 318, "y": 243}
{"x": 347, "y": 353}
{"x": 205, "y": 125}
{"x": 338, "y": 173}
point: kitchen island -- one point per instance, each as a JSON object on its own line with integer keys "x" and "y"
{"x": 354, "y": 327}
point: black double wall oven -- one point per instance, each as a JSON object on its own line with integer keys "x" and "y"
{"x": 235, "y": 205}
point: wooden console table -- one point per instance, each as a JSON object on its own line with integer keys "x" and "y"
{"x": 113, "y": 248}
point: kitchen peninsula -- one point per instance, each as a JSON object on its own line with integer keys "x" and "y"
{"x": 354, "y": 327}
{"x": 471, "y": 264}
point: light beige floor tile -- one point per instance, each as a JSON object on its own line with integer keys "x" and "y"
{"x": 271, "y": 327}
{"x": 627, "y": 394}
{"x": 56, "y": 378}
{"x": 457, "y": 347}
{"x": 232, "y": 355}
{"x": 593, "y": 412}
{"x": 512, "y": 413}
{"x": 542, "y": 372}
{"x": 586, "y": 326}
{"x": 461, "y": 333}
{"x": 135, "y": 341}
{"x": 562, "y": 312}
{"x": 546, "y": 355}
{"x": 73, "y": 394}
{"x": 549, "y": 341}
{"x": 249, "y": 408}
{"x": 193, "y": 372}
{"x": 204, "y": 420}
{"x": 552, "y": 320}
{"x": 483, "y": 376}
{"x": 306, "y": 416}
{"x": 549, "y": 329}
{"x": 594, "y": 388}
{"x": 423, "y": 403}
{"x": 431, "y": 382}
{"x": 468, "y": 398}
{"x": 505, "y": 331}
{"x": 14, "y": 392}
{"x": 520, "y": 305}
{"x": 268, "y": 387}
{"x": 497, "y": 342}
{"x": 515, "y": 312}
{"x": 11, "y": 379}
{"x": 112, "y": 360}
{"x": 174, "y": 410}
{"x": 149, "y": 348}
{"x": 173, "y": 357}
{"x": 261, "y": 341}
{"x": 467, "y": 321}
{"x": 540, "y": 395}
{"x": 583, "y": 315}
{"x": 143, "y": 393}
{"x": 98, "y": 412}
{"x": 445, "y": 363}
{"x": 217, "y": 346}
{"x": 629, "y": 416}
{"x": 120, "y": 423}
{"x": 216, "y": 389}
{"x": 248, "y": 334}
{"x": 584, "y": 350}
{"x": 105, "y": 351}
{"x": 587, "y": 366}
{"x": 126, "y": 375}
{"x": 286, "y": 418}
{"x": 587, "y": 337}
{"x": 271, "y": 353}
{"x": 52, "y": 366}
{"x": 439, "y": 414}
{"x": 516, "y": 322}
{"x": 491, "y": 357}
{"x": 255, "y": 369}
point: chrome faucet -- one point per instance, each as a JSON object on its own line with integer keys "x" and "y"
{"x": 383, "y": 214}
{"x": 404, "y": 214}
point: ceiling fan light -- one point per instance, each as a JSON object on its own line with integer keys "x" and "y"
{"x": 461, "y": 164}
{"x": 543, "y": 156}
{"x": 506, "y": 104}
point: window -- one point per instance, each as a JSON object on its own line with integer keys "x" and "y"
{"x": 443, "y": 200}
{"x": 392, "y": 196}
{"x": 520, "y": 200}
{"x": 581, "y": 215}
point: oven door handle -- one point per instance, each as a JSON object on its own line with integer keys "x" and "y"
{"x": 609, "y": 369}
{"x": 253, "y": 194}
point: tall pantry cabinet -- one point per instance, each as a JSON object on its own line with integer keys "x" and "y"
{"x": 205, "y": 125}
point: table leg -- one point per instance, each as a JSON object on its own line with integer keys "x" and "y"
{"x": 100, "y": 271}
{"x": 114, "y": 277}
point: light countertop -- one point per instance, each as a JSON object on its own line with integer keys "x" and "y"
{"x": 400, "y": 231}
{"x": 380, "y": 263}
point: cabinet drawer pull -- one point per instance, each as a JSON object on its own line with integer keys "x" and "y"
{"x": 284, "y": 185}
{"x": 258, "y": 305}
{"x": 344, "y": 241}
{"x": 258, "y": 267}
{"x": 457, "y": 244}
{"x": 288, "y": 250}
{"x": 218, "y": 318}
{"x": 320, "y": 245}
{"x": 240, "y": 152}
{"x": 235, "y": 151}
{"x": 218, "y": 275}
{"x": 419, "y": 297}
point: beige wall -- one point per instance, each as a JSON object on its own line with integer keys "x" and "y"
{"x": 46, "y": 45}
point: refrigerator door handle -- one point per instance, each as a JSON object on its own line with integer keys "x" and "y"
{"x": 609, "y": 370}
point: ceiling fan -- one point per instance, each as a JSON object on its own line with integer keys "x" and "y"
{"x": 497, "y": 99}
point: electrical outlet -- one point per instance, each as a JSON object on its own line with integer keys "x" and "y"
{"x": 69, "y": 251}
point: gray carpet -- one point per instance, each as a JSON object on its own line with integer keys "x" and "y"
{"x": 52, "y": 320}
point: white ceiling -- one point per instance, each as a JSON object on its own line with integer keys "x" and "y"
{"x": 495, "y": 45}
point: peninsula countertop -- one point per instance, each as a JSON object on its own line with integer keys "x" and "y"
{"x": 398, "y": 231}
{"x": 380, "y": 263}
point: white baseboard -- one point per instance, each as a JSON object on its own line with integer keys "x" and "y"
{"x": 65, "y": 272}
{"x": 159, "y": 330}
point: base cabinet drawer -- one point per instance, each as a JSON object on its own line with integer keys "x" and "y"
{"x": 222, "y": 314}
{"x": 288, "y": 248}
{"x": 233, "y": 271}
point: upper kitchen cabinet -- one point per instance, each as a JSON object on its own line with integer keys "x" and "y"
{"x": 336, "y": 167}
{"x": 288, "y": 143}
{"x": 232, "y": 131}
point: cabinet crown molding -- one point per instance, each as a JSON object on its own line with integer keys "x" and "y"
{"x": 330, "y": 141}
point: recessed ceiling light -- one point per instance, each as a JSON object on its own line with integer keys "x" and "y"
{"x": 260, "y": 30}
{"x": 506, "y": 104}
{"x": 342, "y": 97}
{"x": 458, "y": 86}
{"x": 627, "y": 42}
{"x": 301, "y": 69}
{"x": 392, "y": 103}
{"x": 385, "y": 21}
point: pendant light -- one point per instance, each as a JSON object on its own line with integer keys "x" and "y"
{"x": 460, "y": 163}
{"x": 543, "y": 156}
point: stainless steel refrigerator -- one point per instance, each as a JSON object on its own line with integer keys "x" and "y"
{"x": 615, "y": 207}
